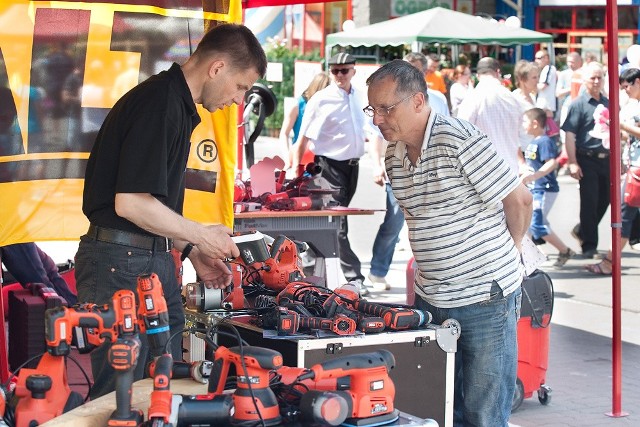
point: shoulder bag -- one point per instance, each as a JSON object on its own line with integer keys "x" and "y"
{"x": 632, "y": 188}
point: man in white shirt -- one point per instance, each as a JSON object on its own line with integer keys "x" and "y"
{"x": 496, "y": 111}
{"x": 335, "y": 126}
{"x": 546, "y": 83}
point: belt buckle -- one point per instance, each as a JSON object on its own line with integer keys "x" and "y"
{"x": 166, "y": 244}
{"x": 354, "y": 162}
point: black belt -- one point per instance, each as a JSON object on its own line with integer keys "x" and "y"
{"x": 126, "y": 238}
{"x": 349, "y": 162}
{"x": 593, "y": 153}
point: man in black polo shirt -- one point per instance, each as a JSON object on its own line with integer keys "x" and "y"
{"x": 588, "y": 159}
{"x": 135, "y": 181}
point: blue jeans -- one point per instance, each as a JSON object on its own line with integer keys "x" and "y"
{"x": 486, "y": 360}
{"x": 385, "y": 243}
{"x": 104, "y": 268}
{"x": 543, "y": 201}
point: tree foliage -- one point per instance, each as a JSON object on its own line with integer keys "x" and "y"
{"x": 278, "y": 51}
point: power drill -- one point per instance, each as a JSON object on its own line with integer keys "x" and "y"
{"x": 153, "y": 313}
{"x": 253, "y": 400}
{"x": 288, "y": 322}
{"x": 123, "y": 358}
{"x": 395, "y": 318}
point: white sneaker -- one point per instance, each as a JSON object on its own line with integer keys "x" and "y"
{"x": 379, "y": 283}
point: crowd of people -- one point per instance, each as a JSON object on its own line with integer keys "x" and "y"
{"x": 470, "y": 170}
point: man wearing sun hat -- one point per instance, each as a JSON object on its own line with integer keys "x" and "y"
{"x": 335, "y": 128}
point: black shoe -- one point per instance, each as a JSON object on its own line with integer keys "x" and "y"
{"x": 538, "y": 241}
{"x": 575, "y": 232}
{"x": 590, "y": 254}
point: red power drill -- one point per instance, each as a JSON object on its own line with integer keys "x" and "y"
{"x": 253, "y": 400}
{"x": 153, "y": 313}
{"x": 395, "y": 318}
{"x": 123, "y": 358}
{"x": 288, "y": 322}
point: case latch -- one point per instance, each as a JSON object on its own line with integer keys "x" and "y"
{"x": 333, "y": 348}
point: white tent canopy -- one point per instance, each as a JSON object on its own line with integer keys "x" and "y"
{"x": 437, "y": 25}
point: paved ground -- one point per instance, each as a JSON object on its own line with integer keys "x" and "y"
{"x": 580, "y": 357}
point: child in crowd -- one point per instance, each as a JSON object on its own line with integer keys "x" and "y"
{"x": 540, "y": 155}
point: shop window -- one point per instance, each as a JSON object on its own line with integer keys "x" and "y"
{"x": 590, "y": 18}
{"x": 554, "y": 18}
{"x": 628, "y": 17}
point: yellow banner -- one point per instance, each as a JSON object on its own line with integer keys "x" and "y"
{"x": 63, "y": 64}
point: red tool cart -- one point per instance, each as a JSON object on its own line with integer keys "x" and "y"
{"x": 533, "y": 339}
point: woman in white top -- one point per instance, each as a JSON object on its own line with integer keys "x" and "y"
{"x": 460, "y": 88}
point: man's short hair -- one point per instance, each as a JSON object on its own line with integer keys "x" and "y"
{"x": 416, "y": 56}
{"x": 487, "y": 65}
{"x": 630, "y": 75}
{"x": 537, "y": 114}
{"x": 238, "y": 43}
{"x": 408, "y": 78}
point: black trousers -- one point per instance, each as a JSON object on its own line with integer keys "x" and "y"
{"x": 594, "y": 198}
{"x": 343, "y": 176}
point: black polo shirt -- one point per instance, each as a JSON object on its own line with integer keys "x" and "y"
{"x": 580, "y": 121}
{"x": 142, "y": 147}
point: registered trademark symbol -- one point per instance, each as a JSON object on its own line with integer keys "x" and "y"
{"x": 207, "y": 150}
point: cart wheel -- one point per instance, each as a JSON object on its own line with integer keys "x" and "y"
{"x": 518, "y": 395}
{"x": 544, "y": 394}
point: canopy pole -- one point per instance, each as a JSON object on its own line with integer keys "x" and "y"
{"x": 614, "y": 165}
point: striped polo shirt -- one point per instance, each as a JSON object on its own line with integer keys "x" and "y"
{"x": 452, "y": 202}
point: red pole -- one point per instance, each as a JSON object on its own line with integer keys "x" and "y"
{"x": 350, "y": 10}
{"x": 324, "y": 26}
{"x": 304, "y": 28}
{"x": 240, "y": 139}
{"x": 616, "y": 221}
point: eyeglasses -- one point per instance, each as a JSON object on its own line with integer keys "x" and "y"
{"x": 335, "y": 71}
{"x": 540, "y": 57}
{"x": 383, "y": 111}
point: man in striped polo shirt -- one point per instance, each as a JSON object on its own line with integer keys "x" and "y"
{"x": 467, "y": 213}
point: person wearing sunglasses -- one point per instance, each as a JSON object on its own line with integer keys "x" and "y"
{"x": 467, "y": 213}
{"x": 334, "y": 127}
{"x": 547, "y": 83}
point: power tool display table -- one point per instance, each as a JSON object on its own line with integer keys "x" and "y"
{"x": 319, "y": 228}
{"x": 97, "y": 412}
{"x": 423, "y": 374}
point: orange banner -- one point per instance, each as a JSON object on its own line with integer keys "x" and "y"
{"x": 63, "y": 64}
